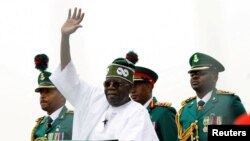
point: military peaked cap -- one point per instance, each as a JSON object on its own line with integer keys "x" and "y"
{"x": 199, "y": 61}
{"x": 41, "y": 63}
{"x": 142, "y": 74}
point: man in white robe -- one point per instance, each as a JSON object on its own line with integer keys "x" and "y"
{"x": 107, "y": 114}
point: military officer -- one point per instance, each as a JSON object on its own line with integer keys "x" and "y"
{"x": 57, "y": 124}
{"x": 161, "y": 113}
{"x": 210, "y": 105}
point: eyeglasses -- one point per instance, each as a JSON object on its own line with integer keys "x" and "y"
{"x": 115, "y": 84}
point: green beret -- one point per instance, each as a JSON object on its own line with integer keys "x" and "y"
{"x": 121, "y": 68}
{"x": 41, "y": 63}
{"x": 142, "y": 74}
{"x": 199, "y": 61}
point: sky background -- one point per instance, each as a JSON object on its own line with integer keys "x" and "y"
{"x": 164, "y": 34}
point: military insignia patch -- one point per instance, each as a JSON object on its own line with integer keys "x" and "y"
{"x": 42, "y": 77}
{"x": 196, "y": 59}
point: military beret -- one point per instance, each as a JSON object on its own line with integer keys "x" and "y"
{"x": 142, "y": 74}
{"x": 41, "y": 63}
{"x": 199, "y": 61}
{"x": 121, "y": 68}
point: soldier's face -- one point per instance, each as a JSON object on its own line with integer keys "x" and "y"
{"x": 51, "y": 100}
{"x": 141, "y": 91}
{"x": 117, "y": 91}
{"x": 203, "y": 80}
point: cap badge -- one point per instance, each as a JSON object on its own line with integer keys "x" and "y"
{"x": 42, "y": 77}
{"x": 196, "y": 59}
{"x": 123, "y": 72}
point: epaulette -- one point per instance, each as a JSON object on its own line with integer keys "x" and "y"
{"x": 70, "y": 112}
{"x": 224, "y": 92}
{"x": 163, "y": 104}
{"x": 39, "y": 119}
{"x": 187, "y": 100}
{"x": 38, "y": 122}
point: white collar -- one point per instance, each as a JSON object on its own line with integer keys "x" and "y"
{"x": 55, "y": 114}
{"x": 205, "y": 98}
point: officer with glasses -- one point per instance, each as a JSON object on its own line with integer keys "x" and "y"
{"x": 101, "y": 114}
{"x": 210, "y": 106}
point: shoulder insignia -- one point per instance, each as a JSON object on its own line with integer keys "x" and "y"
{"x": 187, "y": 100}
{"x": 163, "y": 104}
{"x": 224, "y": 92}
{"x": 70, "y": 112}
{"x": 39, "y": 119}
{"x": 38, "y": 122}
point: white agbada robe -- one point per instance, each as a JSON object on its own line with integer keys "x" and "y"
{"x": 129, "y": 122}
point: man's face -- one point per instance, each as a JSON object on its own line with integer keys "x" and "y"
{"x": 203, "y": 80}
{"x": 141, "y": 91}
{"x": 51, "y": 99}
{"x": 117, "y": 91}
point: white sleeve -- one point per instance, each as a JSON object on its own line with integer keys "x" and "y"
{"x": 73, "y": 89}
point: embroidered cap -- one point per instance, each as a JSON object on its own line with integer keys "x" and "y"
{"x": 121, "y": 68}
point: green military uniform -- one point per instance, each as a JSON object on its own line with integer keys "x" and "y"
{"x": 163, "y": 117}
{"x": 223, "y": 107}
{"x": 161, "y": 113}
{"x": 61, "y": 128}
{"x": 46, "y": 129}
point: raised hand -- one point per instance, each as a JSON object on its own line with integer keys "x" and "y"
{"x": 73, "y": 22}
